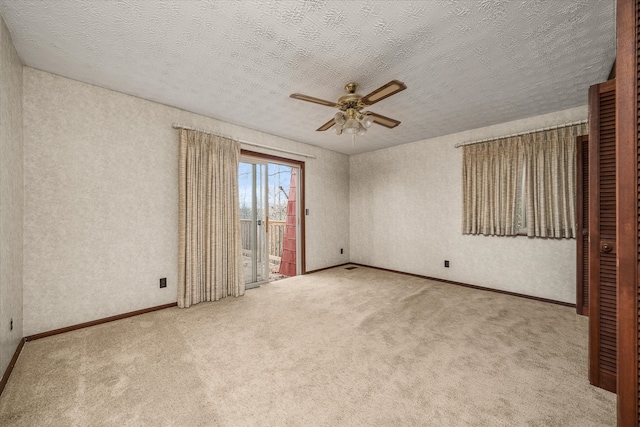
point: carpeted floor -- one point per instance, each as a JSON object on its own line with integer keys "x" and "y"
{"x": 335, "y": 348}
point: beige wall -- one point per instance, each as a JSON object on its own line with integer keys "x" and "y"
{"x": 406, "y": 210}
{"x": 101, "y": 191}
{"x": 100, "y": 219}
{"x": 11, "y": 198}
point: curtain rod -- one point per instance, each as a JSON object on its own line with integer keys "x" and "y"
{"x": 462, "y": 144}
{"x": 178, "y": 126}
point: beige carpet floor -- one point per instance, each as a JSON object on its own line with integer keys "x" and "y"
{"x": 335, "y": 348}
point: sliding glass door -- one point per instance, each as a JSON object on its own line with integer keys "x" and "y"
{"x": 270, "y": 195}
{"x": 252, "y": 185}
{"x": 284, "y": 220}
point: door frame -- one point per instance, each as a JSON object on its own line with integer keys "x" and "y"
{"x": 627, "y": 181}
{"x": 301, "y": 244}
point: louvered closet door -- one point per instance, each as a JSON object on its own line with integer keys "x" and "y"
{"x": 602, "y": 236}
{"x": 582, "y": 223}
{"x": 628, "y": 209}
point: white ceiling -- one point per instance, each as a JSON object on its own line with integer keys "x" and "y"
{"x": 467, "y": 64}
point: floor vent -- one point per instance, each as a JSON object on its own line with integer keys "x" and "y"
{"x": 350, "y": 268}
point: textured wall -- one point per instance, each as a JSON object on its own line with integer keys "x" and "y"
{"x": 406, "y": 210}
{"x": 101, "y": 191}
{"x": 11, "y": 198}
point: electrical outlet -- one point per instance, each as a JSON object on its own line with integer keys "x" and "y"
{"x": 11, "y": 325}
{"x": 163, "y": 282}
{"x": 446, "y": 264}
{"x": 341, "y": 251}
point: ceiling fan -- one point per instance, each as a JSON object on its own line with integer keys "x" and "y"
{"x": 351, "y": 119}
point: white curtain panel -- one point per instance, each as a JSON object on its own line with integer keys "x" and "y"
{"x": 491, "y": 177}
{"x": 550, "y": 182}
{"x": 209, "y": 264}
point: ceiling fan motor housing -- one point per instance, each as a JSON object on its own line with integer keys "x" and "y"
{"x": 350, "y": 100}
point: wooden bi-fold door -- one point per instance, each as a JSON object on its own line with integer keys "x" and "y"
{"x": 628, "y": 209}
{"x": 602, "y": 236}
{"x": 582, "y": 225}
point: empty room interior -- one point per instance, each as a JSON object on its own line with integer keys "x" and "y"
{"x": 309, "y": 212}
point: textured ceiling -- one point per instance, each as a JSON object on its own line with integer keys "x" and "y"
{"x": 467, "y": 64}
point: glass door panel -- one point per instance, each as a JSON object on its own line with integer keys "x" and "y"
{"x": 252, "y": 186}
{"x": 283, "y": 220}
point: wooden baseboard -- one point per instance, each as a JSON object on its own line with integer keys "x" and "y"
{"x": 12, "y": 363}
{"x": 98, "y": 322}
{"x": 327, "y": 268}
{"x": 467, "y": 285}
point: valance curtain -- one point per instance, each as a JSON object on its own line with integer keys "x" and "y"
{"x": 209, "y": 255}
{"x": 492, "y": 177}
{"x": 537, "y": 167}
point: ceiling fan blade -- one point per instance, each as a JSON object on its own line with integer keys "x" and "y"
{"x": 384, "y": 121}
{"x": 312, "y": 99}
{"x": 327, "y": 125}
{"x": 391, "y": 88}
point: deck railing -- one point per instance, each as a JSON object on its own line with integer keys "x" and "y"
{"x": 275, "y": 236}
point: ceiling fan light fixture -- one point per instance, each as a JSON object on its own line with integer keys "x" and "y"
{"x": 351, "y": 126}
{"x": 339, "y": 118}
{"x": 367, "y": 120}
